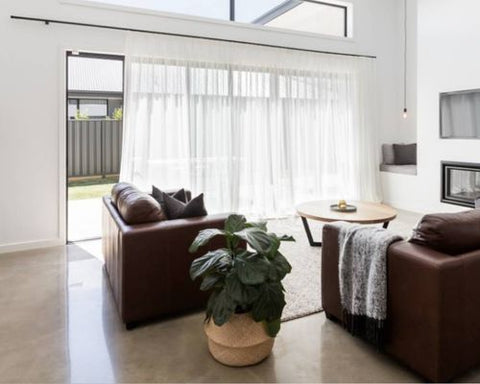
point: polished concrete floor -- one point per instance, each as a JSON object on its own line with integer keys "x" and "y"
{"x": 59, "y": 324}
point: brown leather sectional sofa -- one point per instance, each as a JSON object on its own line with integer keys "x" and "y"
{"x": 433, "y": 321}
{"x": 148, "y": 264}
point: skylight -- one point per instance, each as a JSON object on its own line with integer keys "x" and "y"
{"x": 312, "y": 17}
{"x": 322, "y": 17}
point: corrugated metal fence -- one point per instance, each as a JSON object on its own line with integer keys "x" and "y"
{"x": 94, "y": 147}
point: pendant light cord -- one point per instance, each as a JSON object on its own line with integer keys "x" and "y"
{"x": 405, "y": 57}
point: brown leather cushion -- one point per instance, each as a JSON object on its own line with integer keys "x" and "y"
{"x": 451, "y": 233}
{"x": 137, "y": 207}
{"x": 119, "y": 188}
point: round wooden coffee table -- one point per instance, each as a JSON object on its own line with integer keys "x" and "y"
{"x": 367, "y": 213}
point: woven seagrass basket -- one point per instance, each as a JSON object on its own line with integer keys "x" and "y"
{"x": 239, "y": 342}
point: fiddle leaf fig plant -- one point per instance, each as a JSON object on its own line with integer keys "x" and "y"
{"x": 243, "y": 279}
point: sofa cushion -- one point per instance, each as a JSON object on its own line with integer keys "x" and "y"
{"x": 451, "y": 233}
{"x": 176, "y": 209}
{"x": 405, "y": 154}
{"x": 119, "y": 188}
{"x": 157, "y": 194}
{"x": 137, "y": 207}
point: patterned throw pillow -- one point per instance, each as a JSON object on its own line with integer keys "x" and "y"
{"x": 176, "y": 209}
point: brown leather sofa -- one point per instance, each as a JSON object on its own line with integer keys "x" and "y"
{"x": 433, "y": 321}
{"x": 148, "y": 264}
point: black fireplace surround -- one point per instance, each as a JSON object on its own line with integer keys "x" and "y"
{"x": 460, "y": 183}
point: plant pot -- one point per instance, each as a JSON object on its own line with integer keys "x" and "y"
{"x": 239, "y": 342}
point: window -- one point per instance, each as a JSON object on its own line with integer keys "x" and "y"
{"x": 310, "y": 16}
{"x": 93, "y": 108}
{"x": 215, "y": 9}
{"x": 72, "y": 108}
{"x": 324, "y": 17}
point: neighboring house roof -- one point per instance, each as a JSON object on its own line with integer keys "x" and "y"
{"x": 91, "y": 74}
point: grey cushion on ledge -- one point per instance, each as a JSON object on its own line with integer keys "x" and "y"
{"x": 388, "y": 154}
{"x": 405, "y": 154}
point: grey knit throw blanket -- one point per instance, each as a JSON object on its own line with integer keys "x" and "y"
{"x": 363, "y": 278}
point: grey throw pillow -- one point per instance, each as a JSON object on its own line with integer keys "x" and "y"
{"x": 388, "y": 154}
{"x": 405, "y": 154}
{"x": 157, "y": 194}
{"x": 176, "y": 209}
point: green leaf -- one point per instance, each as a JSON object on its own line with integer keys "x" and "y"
{"x": 204, "y": 237}
{"x": 218, "y": 260}
{"x": 210, "y": 302}
{"x": 243, "y": 294}
{"x": 222, "y": 307}
{"x": 270, "y": 303}
{"x": 272, "y": 327}
{"x": 258, "y": 239}
{"x": 211, "y": 280}
{"x": 235, "y": 223}
{"x": 279, "y": 267}
{"x": 285, "y": 238}
{"x": 251, "y": 268}
{"x": 274, "y": 247}
{"x": 261, "y": 225}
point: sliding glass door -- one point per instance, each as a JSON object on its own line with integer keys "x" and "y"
{"x": 94, "y": 138}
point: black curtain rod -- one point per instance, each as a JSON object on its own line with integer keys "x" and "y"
{"x": 53, "y": 21}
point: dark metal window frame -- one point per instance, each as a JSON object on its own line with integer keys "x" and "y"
{"x": 290, "y": 4}
{"x": 345, "y": 12}
{"x": 77, "y": 103}
{"x": 446, "y": 196}
{"x": 104, "y": 56}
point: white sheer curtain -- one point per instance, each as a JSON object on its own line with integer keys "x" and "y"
{"x": 256, "y": 129}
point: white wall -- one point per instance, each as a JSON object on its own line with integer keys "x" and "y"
{"x": 32, "y": 151}
{"x": 448, "y": 60}
{"x": 404, "y": 130}
{"x": 397, "y": 188}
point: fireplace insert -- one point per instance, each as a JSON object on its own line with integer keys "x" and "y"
{"x": 460, "y": 183}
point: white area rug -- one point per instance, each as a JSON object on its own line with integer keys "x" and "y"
{"x": 303, "y": 285}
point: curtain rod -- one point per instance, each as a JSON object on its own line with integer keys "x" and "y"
{"x": 78, "y": 24}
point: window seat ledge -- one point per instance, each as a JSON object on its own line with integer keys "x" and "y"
{"x": 403, "y": 169}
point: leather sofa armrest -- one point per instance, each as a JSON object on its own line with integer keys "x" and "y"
{"x": 426, "y": 309}
{"x": 330, "y": 281}
{"x": 112, "y": 210}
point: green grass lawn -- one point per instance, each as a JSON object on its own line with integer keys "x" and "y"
{"x": 90, "y": 188}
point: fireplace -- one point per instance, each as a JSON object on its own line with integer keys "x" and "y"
{"x": 460, "y": 183}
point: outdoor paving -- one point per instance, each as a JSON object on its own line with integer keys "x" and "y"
{"x": 84, "y": 219}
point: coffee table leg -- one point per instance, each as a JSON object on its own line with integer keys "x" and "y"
{"x": 385, "y": 224}
{"x": 309, "y": 234}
